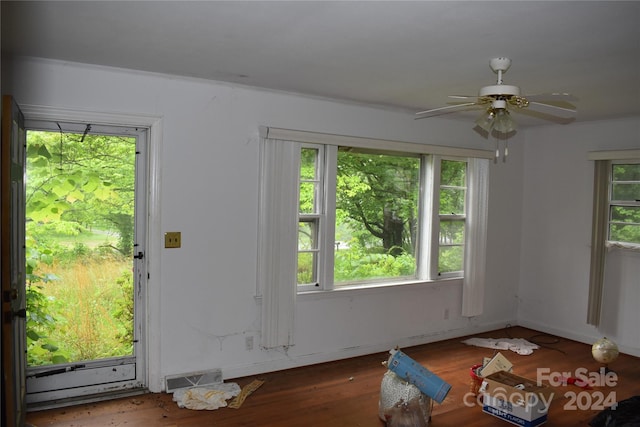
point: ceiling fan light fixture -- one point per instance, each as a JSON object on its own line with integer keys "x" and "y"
{"x": 499, "y": 100}
{"x": 486, "y": 120}
{"x": 503, "y": 122}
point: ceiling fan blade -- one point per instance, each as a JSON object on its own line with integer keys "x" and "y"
{"x": 552, "y": 110}
{"x": 442, "y": 110}
{"x": 552, "y": 97}
{"x": 462, "y": 96}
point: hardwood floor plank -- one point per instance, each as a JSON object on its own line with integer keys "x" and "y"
{"x": 345, "y": 393}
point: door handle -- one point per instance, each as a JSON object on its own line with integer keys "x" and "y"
{"x": 10, "y": 315}
{"x": 139, "y": 256}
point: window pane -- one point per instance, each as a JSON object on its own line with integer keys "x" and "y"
{"x": 625, "y": 214}
{"x": 452, "y": 201}
{"x": 309, "y": 182}
{"x": 629, "y": 172}
{"x": 450, "y": 259}
{"x": 307, "y": 197}
{"x": 451, "y": 232}
{"x": 629, "y": 233}
{"x": 308, "y": 162}
{"x": 307, "y": 236}
{"x": 306, "y": 268}
{"x": 453, "y": 173}
{"x": 307, "y": 252}
{"x": 626, "y": 191}
{"x": 376, "y": 216}
{"x": 453, "y": 184}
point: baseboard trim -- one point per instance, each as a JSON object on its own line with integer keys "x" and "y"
{"x": 72, "y": 401}
{"x": 583, "y": 338}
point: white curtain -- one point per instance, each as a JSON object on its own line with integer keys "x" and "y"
{"x": 475, "y": 257}
{"x": 278, "y": 240}
{"x": 598, "y": 239}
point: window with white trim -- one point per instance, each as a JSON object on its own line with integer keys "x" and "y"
{"x": 362, "y": 213}
{"x": 341, "y": 212}
{"x": 624, "y": 203}
{"x": 616, "y": 216}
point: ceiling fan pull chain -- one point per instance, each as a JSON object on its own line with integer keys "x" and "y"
{"x": 506, "y": 151}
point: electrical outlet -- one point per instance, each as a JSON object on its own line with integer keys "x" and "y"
{"x": 446, "y": 313}
{"x": 248, "y": 343}
{"x": 172, "y": 239}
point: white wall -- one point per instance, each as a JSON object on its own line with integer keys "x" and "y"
{"x": 556, "y": 236}
{"x": 203, "y": 302}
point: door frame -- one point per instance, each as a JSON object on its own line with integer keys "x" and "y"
{"x": 13, "y": 331}
{"x": 151, "y": 309}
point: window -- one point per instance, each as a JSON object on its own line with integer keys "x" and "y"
{"x": 341, "y": 213}
{"x": 616, "y": 216}
{"x": 310, "y": 209}
{"x": 452, "y": 216}
{"x": 375, "y": 211}
{"x": 624, "y": 203}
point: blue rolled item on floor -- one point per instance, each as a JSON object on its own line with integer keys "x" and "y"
{"x": 416, "y": 374}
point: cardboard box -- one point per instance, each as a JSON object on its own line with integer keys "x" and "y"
{"x": 515, "y": 399}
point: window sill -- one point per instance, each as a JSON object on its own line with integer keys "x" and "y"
{"x": 633, "y": 247}
{"x": 365, "y": 289}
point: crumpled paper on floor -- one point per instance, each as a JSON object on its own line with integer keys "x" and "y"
{"x": 206, "y": 398}
{"x": 517, "y": 345}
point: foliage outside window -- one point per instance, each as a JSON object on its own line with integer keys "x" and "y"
{"x": 374, "y": 210}
{"x": 79, "y": 241}
{"x": 624, "y": 203}
{"x": 452, "y": 215}
{"x": 309, "y": 218}
{"x": 376, "y": 216}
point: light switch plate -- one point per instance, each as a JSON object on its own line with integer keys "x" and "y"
{"x": 172, "y": 239}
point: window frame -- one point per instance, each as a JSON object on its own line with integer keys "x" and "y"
{"x": 427, "y": 247}
{"x": 318, "y": 217}
{"x": 611, "y": 203}
{"x": 438, "y": 218}
{"x": 276, "y": 277}
{"x": 602, "y": 175}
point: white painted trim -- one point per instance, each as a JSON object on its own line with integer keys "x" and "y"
{"x": 154, "y": 124}
{"x": 41, "y": 112}
{"x": 155, "y": 381}
{"x": 568, "y": 334}
{"x": 376, "y": 144}
{"x": 614, "y": 155}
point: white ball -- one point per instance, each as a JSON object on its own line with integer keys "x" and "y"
{"x": 604, "y": 350}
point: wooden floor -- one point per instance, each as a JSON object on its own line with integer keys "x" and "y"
{"x": 346, "y": 393}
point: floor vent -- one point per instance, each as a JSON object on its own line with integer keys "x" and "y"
{"x": 203, "y": 378}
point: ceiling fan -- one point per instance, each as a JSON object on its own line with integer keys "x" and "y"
{"x": 499, "y": 100}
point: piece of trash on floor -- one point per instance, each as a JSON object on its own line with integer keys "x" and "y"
{"x": 206, "y": 398}
{"x": 411, "y": 371}
{"x": 246, "y": 391}
{"x": 399, "y": 398}
{"x": 517, "y": 345}
{"x": 495, "y": 364}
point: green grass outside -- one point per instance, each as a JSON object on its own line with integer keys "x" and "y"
{"x": 92, "y": 309}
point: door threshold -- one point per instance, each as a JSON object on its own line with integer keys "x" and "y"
{"x": 92, "y": 398}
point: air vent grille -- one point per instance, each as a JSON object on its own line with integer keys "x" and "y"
{"x": 203, "y": 378}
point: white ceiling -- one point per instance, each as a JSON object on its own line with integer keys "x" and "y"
{"x": 407, "y": 55}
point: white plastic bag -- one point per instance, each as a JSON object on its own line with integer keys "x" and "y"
{"x": 206, "y": 398}
{"x": 395, "y": 391}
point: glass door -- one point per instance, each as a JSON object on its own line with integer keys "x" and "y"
{"x": 85, "y": 266}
